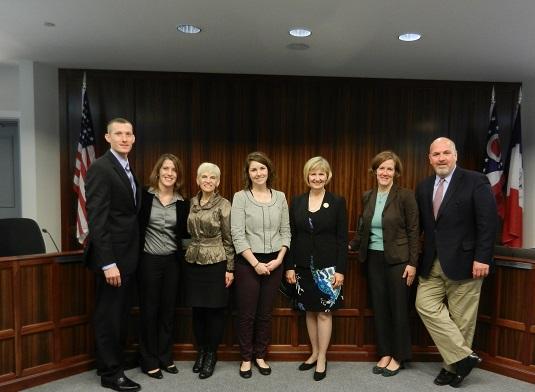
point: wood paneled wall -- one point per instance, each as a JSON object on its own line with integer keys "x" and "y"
{"x": 46, "y": 302}
{"x": 221, "y": 118}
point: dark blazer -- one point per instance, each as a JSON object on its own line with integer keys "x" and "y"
{"x": 112, "y": 216}
{"x": 400, "y": 226}
{"x": 465, "y": 228}
{"x": 182, "y": 211}
{"x": 327, "y": 242}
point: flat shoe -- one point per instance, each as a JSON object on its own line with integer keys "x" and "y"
{"x": 263, "y": 371}
{"x": 318, "y": 376}
{"x": 246, "y": 373}
{"x": 170, "y": 369}
{"x": 157, "y": 374}
{"x": 307, "y": 366}
{"x": 378, "y": 369}
{"x": 389, "y": 373}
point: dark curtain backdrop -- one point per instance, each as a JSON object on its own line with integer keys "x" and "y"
{"x": 220, "y": 118}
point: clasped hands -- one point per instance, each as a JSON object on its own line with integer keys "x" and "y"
{"x": 266, "y": 268}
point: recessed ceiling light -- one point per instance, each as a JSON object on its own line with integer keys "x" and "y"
{"x": 409, "y": 37}
{"x": 188, "y": 29}
{"x": 49, "y": 24}
{"x": 300, "y": 32}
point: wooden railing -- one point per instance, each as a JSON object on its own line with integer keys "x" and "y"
{"x": 46, "y": 303}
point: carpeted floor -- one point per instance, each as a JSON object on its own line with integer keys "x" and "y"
{"x": 341, "y": 376}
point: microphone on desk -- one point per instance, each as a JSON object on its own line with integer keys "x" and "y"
{"x": 50, "y": 235}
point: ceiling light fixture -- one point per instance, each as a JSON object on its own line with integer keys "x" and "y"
{"x": 188, "y": 29}
{"x": 300, "y": 32}
{"x": 409, "y": 37}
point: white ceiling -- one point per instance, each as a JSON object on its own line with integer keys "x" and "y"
{"x": 491, "y": 40}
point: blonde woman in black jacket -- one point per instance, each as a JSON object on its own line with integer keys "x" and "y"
{"x": 316, "y": 261}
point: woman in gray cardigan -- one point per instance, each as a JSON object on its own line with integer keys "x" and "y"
{"x": 261, "y": 234}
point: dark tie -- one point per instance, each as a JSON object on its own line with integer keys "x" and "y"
{"x": 437, "y": 200}
{"x": 131, "y": 178}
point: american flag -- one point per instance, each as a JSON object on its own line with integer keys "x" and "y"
{"x": 493, "y": 167}
{"x": 84, "y": 157}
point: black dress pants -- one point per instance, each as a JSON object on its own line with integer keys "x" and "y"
{"x": 389, "y": 293}
{"x": 158, "y": 285}
{"x": 110, "y": 319}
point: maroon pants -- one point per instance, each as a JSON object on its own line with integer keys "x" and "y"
{"x": 255, "y": 296}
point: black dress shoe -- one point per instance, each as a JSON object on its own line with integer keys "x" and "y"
{"x": 263, "y": 371}
{"x": 246, "y": 373}
{"x": 170, "y": 369}
{"x": 318, "y": 376}
{"x": 208, "y": 366}
{"x": 444, "y": 377}
{"x": 122, "y": 383}
{"x": 307, "y": 366}
{"x": 197, "y": 366}
{"x": 464, "y": 367}
{"x": 157, "y": 374}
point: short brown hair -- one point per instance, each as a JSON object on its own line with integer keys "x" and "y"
{"x": 385, "y": 156}
{"x": 315, "y": 164}
{"x": 118, "y": 120}
{"x": 155, "y": 173}
{"x": 262, "y": 158}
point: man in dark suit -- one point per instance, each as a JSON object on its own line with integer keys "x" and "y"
{"x": 458, "y": 217}
{"x": 113, "y": 197}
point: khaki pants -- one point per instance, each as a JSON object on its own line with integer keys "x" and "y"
{"x": 451, "y": 327}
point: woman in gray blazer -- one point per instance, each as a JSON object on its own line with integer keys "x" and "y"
{"x": 261, "y": 235}
{"x": 388, "y": 238}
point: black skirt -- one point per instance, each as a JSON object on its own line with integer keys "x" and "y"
{"x": 205, "y": 285}
{"x": 314, "y": 290}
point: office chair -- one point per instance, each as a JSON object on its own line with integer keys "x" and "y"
{"x": 20, "y": 236}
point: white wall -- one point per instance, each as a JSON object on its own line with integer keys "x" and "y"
{"x": 528, "y": 155}
{"x": 9, "y": 91}
{"x": 47, "y": 152}
{"x": 39, "y": 141}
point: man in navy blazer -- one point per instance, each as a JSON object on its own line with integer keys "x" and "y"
{"x": 113, "y": 200}
{"x": 458, "y": 217}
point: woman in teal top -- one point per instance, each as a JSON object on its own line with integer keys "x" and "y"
{"x": 387, "y": 240}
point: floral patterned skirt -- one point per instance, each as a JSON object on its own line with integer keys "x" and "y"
{"x": 315, "y": 292}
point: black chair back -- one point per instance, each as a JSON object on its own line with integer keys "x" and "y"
{"x": 20, "y": 236}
